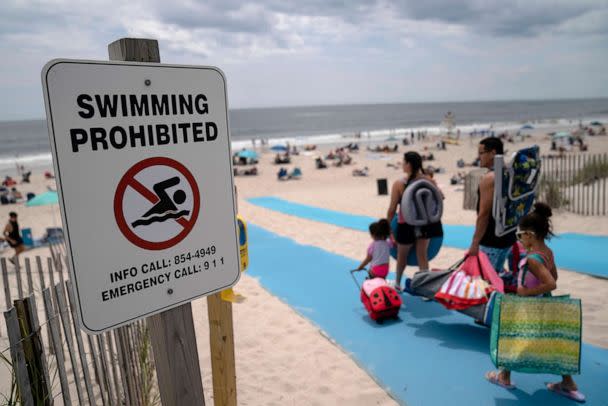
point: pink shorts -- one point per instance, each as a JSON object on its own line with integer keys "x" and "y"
{"x": 380, "y": 271}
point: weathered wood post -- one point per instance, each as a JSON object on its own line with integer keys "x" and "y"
{"x": 172, "y": 332}
{"x": 471, "y": 184}
{"x": 221, "y": 340}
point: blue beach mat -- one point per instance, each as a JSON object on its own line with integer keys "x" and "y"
{"x": 430, "y": 356}
{"x": 575, "y": 252}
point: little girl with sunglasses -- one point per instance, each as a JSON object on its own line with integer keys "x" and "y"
{"x": 538, "y": 277}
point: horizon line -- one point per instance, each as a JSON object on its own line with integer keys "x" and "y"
{"x": 290, "y": 106}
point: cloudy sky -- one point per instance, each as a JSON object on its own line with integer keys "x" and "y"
{"x": 303, "y": 52}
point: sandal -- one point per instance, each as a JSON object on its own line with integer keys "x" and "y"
{"x": 570, "y": 394}
{"x": 492, "y": 377}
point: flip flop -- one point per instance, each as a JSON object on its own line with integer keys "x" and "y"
{"x": 492, "y": 377}
{"x": 570, "y": 394}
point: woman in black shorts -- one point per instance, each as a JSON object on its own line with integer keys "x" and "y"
{"x": 407, "y": 235}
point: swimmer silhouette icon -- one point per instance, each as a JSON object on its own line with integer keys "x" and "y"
{"x": 166, "y": 207}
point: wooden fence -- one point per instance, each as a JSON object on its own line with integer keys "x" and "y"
{"x": 52, "y": 361}
{"x": 576, "y": 183}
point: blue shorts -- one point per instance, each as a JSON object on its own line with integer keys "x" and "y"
{"x": 497, "y": 256}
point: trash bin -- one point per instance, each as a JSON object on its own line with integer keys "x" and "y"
{"x": 382, "y": 187}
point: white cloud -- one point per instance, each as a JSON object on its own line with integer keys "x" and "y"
{"x": 325, "y": 51}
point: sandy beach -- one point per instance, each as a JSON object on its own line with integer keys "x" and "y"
{"x": 281, "y": 357}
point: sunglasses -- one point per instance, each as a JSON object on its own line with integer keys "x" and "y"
{"x": 520, "y": 234}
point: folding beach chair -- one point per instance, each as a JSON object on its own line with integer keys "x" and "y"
{"x": 515, "y": 187}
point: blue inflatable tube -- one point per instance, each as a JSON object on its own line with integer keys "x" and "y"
{"x": 434, "y": 247}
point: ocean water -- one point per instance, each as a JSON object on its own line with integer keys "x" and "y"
{"x": 27, "y": 142}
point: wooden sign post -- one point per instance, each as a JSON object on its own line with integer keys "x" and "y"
{"x": 172, "y": 332}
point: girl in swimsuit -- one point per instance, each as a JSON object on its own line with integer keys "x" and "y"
{"x": 537, "y": 277}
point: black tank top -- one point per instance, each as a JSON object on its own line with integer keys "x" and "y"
{"x": 14, "y": 234}
{"x": 490, "y": 239}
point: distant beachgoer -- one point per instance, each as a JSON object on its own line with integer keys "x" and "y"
{"x": 407, "y": 235}
{"x": 484, "y": 238}
{"x": 16, "y": 194}
{"x": 13, "y": 236}
{"x": 379, "y": 251}
{"x": 533, "y": 230}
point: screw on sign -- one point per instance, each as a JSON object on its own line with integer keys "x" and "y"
{"x": 156, "y": 203}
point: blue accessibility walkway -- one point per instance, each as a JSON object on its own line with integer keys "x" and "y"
{"x": 430, "y": 356}
{"x": 576, "y": 252}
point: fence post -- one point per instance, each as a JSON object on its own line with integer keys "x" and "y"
{"x": 106, "y": 382}
{"x": 62, "y": 309}
{"x": 117, "y": 380}
{"x": 605, "y": 166}
{"x": 39, "y": 373}
{"x": 471, "y": 184}
{"x": 221, "y": 340}
{"x": 172, "y": 332}
{"x": 18, "y": 276}
{"x": 28, "y": 274}
{"x": 7, "y": 288}
{"x": 18, "y": 357}
{"x": 55, "y": 339}
{"x": 83, "y": 355}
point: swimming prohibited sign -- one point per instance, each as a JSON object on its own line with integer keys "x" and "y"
{"x": 143, "y": 163}
{"x": 154, "y": 214}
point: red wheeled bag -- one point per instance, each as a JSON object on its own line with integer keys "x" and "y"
{"x": 383, "y": 303}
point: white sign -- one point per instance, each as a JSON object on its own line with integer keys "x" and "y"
{"x": 143, "y": 163}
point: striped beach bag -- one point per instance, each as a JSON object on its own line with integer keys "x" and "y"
{"x": 537, "y": 334}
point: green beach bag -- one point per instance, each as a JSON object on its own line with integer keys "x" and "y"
{"x": 537, "y": 334}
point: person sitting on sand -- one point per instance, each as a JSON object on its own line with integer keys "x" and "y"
{"x": 16, "y": 194}
{"x": 282, "y": 174}
{"x": 251, "y": 171}
{"x": 533, "y": 230}
{"x": 361, "y": 172}
{"x": 379, "y": 251}
{"x": 8, "y": 181}
{"x": 320, "y": 163}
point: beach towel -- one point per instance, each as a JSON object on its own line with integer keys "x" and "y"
{"x": 428, "y": 283}
{"x": 466, "y": 287}
{"x": 537, "y": 334}
{"x": 421, "y": 203}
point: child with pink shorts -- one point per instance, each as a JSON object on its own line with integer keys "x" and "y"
{"x": 379, "y": 251}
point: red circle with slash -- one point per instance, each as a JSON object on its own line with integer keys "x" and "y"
{"x": 128, "y": 180}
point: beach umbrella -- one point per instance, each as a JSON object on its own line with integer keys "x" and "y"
{"x": 281, "y": 148}
{"x": 596, "y": 123}
{"x": 562, "y": 134}
{"x": 527, "y": 127}
{"x": 44, "y": 199}
{"x": 248, "y": 154}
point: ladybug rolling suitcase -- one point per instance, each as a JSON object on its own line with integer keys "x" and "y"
{"x": 382, "y": 303}
{"x": 380, "y": 300}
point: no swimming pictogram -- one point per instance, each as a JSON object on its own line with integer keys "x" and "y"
{"x": 156, "y": 203}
